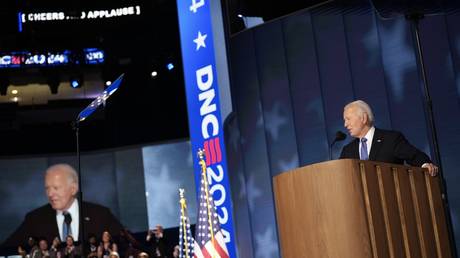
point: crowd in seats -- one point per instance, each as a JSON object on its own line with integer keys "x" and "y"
{"x": 104, "y": 246}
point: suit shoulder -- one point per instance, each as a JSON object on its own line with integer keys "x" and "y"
{"x": 94, "y": 206}
{"x": 40, "y": 211}
{"x": 388, "y": 133}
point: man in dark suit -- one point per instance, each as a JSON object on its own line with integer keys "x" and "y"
{"x": 61, "y": 216}
{"x": 376, "y": 144}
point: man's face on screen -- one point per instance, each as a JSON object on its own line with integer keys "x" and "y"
{"x": 60, "y": 190}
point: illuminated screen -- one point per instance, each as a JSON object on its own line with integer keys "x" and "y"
{"x": 26, "y": 59}
{"x": 139, "y": 185}
{"x": 94, "y": 56}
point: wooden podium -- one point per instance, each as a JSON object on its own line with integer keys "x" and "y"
{"x": 360, "y": 209}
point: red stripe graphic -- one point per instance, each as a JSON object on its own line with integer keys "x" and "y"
{"x": 213, "y": 151}
{"x": 206, "y": 151}
{"x": 219, "y": 152}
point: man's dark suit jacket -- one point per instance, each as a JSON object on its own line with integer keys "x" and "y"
{"x": 41, "y": 222}
{"x": 388, "y": 146}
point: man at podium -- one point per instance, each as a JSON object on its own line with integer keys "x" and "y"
{"x": 375, "y": 144}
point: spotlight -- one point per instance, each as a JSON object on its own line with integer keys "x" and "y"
{"x": 75, "y": 83}
{"x": 14, "y": 92}
{"x": 240, "y": 16}
{"x": 154, "y": 74}
{"x": 170, "y": 66}
{"x": 108, "y": 83}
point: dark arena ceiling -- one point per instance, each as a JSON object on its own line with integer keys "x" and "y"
{"x": 37, "y": 104}
{"x": 136, "y": 37}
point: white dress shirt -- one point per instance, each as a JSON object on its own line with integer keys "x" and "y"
{"x": 74, "y": 212}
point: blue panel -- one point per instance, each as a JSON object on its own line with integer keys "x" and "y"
{"x": 442, "y": 86}
{"x": 97, "y": 186}
{"x": 130, "y": 184}
{"x": 241, "y": 213}
{"x": 334, "y": 69}
{"x": 453, "y": 31}
{"x": 22, "y": 190}
{"x": 305, "y": 89}
{"x": 254, "y": 146}
{"x": 402, "y": 80}
{"x": 168, "y": 167}
{"x": 276, "y": 98}
{"x": 366, "y": 64}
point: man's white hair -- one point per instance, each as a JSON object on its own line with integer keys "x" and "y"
{"x": 68, "y": 170}
{"x": 362, "y": 108}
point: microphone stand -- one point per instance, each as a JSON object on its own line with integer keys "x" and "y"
{"x": 339, "y": 136}
{"x": 83, "y": 115}
{"x": 415, "y": 18}
{"x": 330, "y": 149}
{"x": 81, "y": 234}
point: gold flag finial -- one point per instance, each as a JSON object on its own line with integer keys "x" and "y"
{"x": 201, "y": 154}
{"x": 182, "y": 196}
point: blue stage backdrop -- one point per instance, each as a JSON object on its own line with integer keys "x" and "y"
{"x": 290, "y": 80}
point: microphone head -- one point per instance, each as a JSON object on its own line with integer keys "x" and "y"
{"x": 340, "y": 136}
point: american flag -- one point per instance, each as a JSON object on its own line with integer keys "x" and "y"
{"x": 186, "y": 240}
{"x": 209, "y": 240}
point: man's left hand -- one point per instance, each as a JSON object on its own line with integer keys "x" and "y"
{"x": 432, "y": 169}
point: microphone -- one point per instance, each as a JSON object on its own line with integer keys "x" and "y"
{"x": 339, "y": 136}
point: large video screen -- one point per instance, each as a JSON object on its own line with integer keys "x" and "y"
{"x": 139, "y": 185}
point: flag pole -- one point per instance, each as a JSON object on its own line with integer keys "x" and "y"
{"x": 183, "y": 206}
{"x": 201, "y": 155}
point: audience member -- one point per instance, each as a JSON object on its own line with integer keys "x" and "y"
{"x": 114, "y": 255}
{"x": 92, "y": 246}
{"x": 155, "y": 237}
{"x": 42, "y": 251}
{"x": 55, "y": 249}
{"x": 142, "y": 255}
{"x": 107, "y": 246}
{"x": 176, "y": 252}
{"x": 70, "y": 250}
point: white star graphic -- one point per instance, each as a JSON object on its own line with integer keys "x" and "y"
{"x": 234, "y": 138}
{"x": 289, "y": 164}
{"x": 399, "y": 54}
{"x": 266, "y": 244}
{"x": 200, "y": 40}
{"x": 164, "y": 186}
{"x": 371, "y": 43}
{"x": 252, "y": 192}
{"x": 274, "y": 120}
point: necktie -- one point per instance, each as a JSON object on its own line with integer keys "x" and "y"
{"x": 66, "y": 229}
{"x": 363, "y": 151}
